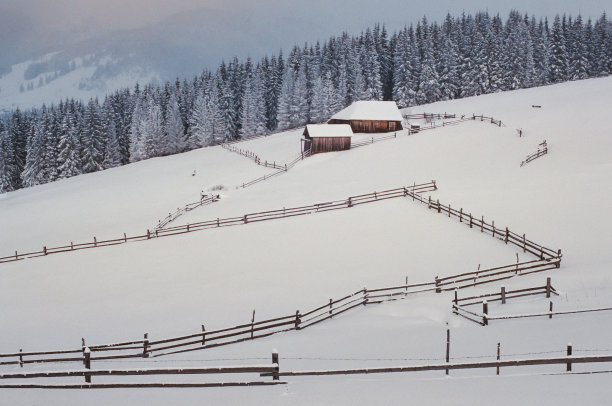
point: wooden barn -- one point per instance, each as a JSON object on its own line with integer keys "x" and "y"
{"x": 370, "y": 117}
{"x": 327, "y": 138}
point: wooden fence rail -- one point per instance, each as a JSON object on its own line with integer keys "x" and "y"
{"x": 568, "y": 360}
{"x": 204, "y": 200}
{"x": 244, "y": 219}
{"x": 542, "y": 150}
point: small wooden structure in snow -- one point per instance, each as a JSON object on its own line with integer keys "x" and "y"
{"x": 370, "y": 116}
{"x": 327, "y": 138}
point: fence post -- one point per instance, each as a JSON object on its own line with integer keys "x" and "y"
{"x": 365, "y": 296}
{"x": 503, "y": 295}
{"x": 438, "y": 289}
{"x": 275, "y": 361}
{"x": 550, "y": 308}
{"x": 447, "y": 348}
{"x": 252, "y": 324}
{"x": 95, "y": 241}
{"x": 482, "y": 224}
{"x": 507, "y": 235}
{"x": 245, "y": 219}
{"x": 461, "y": 215}
{"x": 20, "y": 358}
{"x": 569, "y": 354}
{"x": 145, "y": 346}
{"x": 485, "y": 312}
{"x": 438, "y": 203}
{"x": 498, "y": 356}
{"x": 548, "y": 287}
{"x": 45, "y": 250}
{"x": 493, "y": 227}
{"x": 330, "y": 308}
{"x": 124, "y": 237}
{"x": 456, "y": 300}
{"x": 429, "y": 203}
{"x": 297, "y": 320}
{"x": 203, "y": 335}
{"x": 524, "y": 243}
{"x": 471, "y": 220}
{"x": 87, "y": 363}
{"x": 541, "y": 252}
{"x": 148, "y": 234}
{"x": 558, "y": 264}
{"x": 449, "y": 210}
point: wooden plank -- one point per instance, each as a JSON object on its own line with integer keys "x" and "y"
{"x": 143, "y": 385}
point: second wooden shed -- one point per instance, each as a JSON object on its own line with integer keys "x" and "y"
{"x": 327, "y": 138}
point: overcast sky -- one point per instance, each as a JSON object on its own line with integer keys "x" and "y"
{"x": 35, "y": 25}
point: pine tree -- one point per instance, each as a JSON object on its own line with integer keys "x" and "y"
{"x": 92, "y": 138}
{"x": 174, "y": 129}
{"x": 34, "y": 171}
{"x": 69, "y": 159}
{"x": 8, "y": 167}
{"x": 558, "y": 55}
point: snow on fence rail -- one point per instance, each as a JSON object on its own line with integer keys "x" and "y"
{"x": 568, "y": 361}
{"x": 244, "y": 219}
{"x": 204, "y": 200}
{"x": 540, "y": 152}
{"x": 87, "y": 373}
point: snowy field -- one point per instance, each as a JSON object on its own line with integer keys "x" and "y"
{"x": 170, "y": 286}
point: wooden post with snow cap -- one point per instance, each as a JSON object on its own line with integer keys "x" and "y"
{"x": 87, "y": 363}
{"x": 503, "y": 295}
{"x": 548, "y": 287}
{"x": 20, "y": 358}
{"x": 447, "y": 347}
{"x": 498, "y": 355}
{"x": 203, "y": 335}
{"x": 550, "y": 309}
{"x": 297, "y": 320}
{"x": 330, "y": 307}
{"x": 569, "y": 354}
{"x": 485, "y": 313}
{"x": 252, "y": 324}
{"x": 275, "y": 361}
{"x": 145, "y": 346}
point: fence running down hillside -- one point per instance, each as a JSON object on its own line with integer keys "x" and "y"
{"x": 435, "y": 124}
{"x": 542, "y": 150}
{"x": 548, "y": 259}
{"x": 254, "y": 157}
{"x": 204, "y": 200}
{"x": 244, "y": 219}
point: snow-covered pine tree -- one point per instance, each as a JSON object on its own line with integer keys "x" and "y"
{"x": 69, "y": 159}
{"x": 253, "y": 105}
{"x": 174, "y": 130}
{"x": 8, "y": 167}
{"x": 34, "y": 171}
{"x": 92, "y": 138}
{"x": 559, "y": 62}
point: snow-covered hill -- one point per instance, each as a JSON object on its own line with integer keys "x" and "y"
{"x": 171, "y": 286}
{"x": 59, "y": 76}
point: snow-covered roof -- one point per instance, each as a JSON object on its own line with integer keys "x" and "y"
{"x": 329, "y": 130}
{"x": 370, "y": 110}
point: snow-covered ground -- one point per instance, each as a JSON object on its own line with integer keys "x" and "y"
{"x": 170, "y": 286}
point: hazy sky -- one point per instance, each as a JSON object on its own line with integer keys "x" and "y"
{"x": 29, "y": 27}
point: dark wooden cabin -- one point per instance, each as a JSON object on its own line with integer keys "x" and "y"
{"x": 370, "y": 117}
{"x": 320, "y": 138}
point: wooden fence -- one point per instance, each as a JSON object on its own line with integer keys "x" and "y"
{"x": 244, "y": 219}
{"x": 88, "y": 373}
{"x": 204, "y": 200}
{"x": 463, "y": 118}
{"x": 254, "y": 157}
{"x": 459, "y": 304}
{"x": 429, "y": 116}
{"x": 542, "y": 150}
{"x": 567, "y": 360}
{"x": 547, "y": 259}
